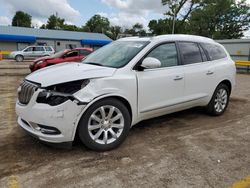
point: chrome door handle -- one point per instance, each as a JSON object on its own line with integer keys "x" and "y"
{"x": 178, "y": 78}
{"x": 210, "y": 72}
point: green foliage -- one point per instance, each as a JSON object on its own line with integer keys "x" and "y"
{"x": 136, "y": 30}
{"x": 71, "y": 28}
{"x": 21, "y": 19}
{"x": 218, "y": 19}
{"x": 221, "y": 19}
{"x": 113, "y": 32}
{"x": 178, "y": 11}
{"x": 97, "y": 24}
{"x": 55, "y": 22}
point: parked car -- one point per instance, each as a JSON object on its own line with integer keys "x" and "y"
{"x": 123, "y": 83}
{"x": 73, "y": 55}
{"x": 32, "y": 52}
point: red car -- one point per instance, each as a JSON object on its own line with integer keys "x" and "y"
{"x": 73, "y": 55}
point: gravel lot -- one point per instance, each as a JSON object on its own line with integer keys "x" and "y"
{"x": 184, "y": 149}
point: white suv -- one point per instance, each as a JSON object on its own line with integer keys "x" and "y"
{"x": 31, "y": 52}
{"x": 127, "y": 81}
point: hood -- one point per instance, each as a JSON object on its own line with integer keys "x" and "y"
{"x": 67, "y": 72}
{"x": 16, "y": 52}
{"x": 42, "y": 58}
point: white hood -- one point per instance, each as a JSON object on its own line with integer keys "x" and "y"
{"x": 67, "y": 72}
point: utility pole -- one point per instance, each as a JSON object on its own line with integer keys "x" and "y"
{"x": 56, "y": 21}
{"x": 174, "y": 21}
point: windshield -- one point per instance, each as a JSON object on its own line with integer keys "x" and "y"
{"x": 58, "y": 54}
{"x": 116, "y": 55}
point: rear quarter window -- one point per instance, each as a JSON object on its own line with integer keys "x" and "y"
{"x": 48, "y": 48}
{"x": 214, "y": 51}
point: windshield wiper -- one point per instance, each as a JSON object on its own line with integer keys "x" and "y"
{"x": 92, "y": 63}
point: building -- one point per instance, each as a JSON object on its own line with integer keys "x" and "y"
{"x": 239, "y": 49}
{"x": 17, "y": 38}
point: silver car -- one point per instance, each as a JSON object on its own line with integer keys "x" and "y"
{"x": 31, "y": 52}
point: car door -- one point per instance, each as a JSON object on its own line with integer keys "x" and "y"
{"x": 71, "y": 56}
{"x": 198, "y": 71}
{"x": 160, "y": 89}
{"x": 83, "y": 53}
{"x": 28, "y": 52}
{"x": 48, "y": 50}
{"x": 39, "y": 51}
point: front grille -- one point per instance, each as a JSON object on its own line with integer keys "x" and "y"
{"x": 26, "y": 91}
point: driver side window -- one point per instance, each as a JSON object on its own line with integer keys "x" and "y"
{"x": 71, "y": 54}
{"x": 30, "y": 49}
{"x": 166, "y": 54}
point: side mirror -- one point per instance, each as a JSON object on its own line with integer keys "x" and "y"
{"x": 150, "y": 63}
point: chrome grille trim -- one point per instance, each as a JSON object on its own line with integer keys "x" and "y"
{"x": 26, "y": 92}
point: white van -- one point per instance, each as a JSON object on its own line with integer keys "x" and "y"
{"x": 32, "y": 52}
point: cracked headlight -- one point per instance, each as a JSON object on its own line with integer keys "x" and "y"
{"x": 60, "y": 93}
{"x": 69, "y": 87}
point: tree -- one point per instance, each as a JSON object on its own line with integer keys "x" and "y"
{"x": 160, "y": 27}
{"x": 21, "y": 19}
{"x": 55, "y": 22}
{"x": 220, "y": 19}
{"x": 136, "y": 30}
{"x": 97, "y": 24}
{"x": 179, "y": 10}
{"x": 68, "y": 27}
{"x": 114, "y": 31}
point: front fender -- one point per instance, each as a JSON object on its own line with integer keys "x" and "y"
{"x": 94, "y": 100}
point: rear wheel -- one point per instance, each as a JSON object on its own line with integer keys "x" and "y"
{"x": 105, "y": 125}
{"x": 219, "y": 101}
{"x": 19, "y": 58}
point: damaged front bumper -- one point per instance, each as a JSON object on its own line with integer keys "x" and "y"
{"x": 54, "y": 124}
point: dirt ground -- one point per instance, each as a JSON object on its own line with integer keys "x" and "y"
{"x": 185, "y": 149}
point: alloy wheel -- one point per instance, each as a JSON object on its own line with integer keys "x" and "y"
{"x": 220, "y": 101}
{"x": 106, "y": 124}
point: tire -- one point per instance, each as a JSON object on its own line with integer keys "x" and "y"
{"x": 105, "y": 125}
{"x": 19, "y": 58}
{"x": 219, "y": 102}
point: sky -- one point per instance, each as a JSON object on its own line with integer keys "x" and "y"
{"x": 120, "y": 12}
{"x": 124, "y": 13}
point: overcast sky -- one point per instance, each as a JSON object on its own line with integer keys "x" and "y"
{"x": 120, "y": 12}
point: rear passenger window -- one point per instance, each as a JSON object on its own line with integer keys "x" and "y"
{"x": 38, "y": 49}
{"x": 166, "y": 54}
{"x": 214, "y": 51}
{"x": 190, "y": 53}
{"x": 48, "y": 48}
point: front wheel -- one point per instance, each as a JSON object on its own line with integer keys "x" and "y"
{"x": 105, "y": 125}
{"x": 219, "y": 101}
{"x": 19, "y": 58}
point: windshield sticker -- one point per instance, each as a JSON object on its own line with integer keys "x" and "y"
{"x": 136, "y": 45}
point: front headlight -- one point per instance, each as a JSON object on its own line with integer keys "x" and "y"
{"x": 39, "y": 62}
{"x": 69, "y": 87}
{"x": 60, "y": 93}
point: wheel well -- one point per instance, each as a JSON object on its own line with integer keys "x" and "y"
{"x": 228, "y": 84}
{"x": 18, "y": 55}
{"x": 124, "y": 101}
